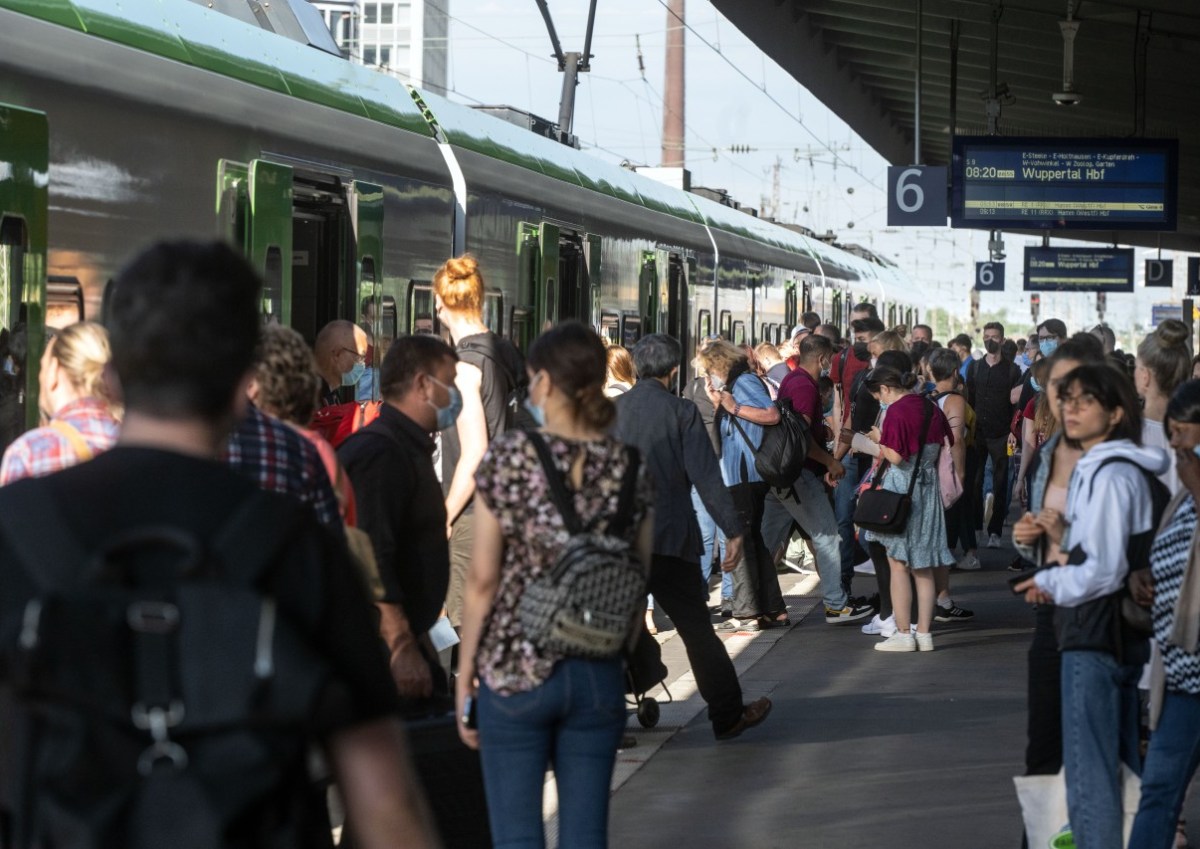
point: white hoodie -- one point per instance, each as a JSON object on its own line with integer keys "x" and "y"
{"x": 1101, "y": 516}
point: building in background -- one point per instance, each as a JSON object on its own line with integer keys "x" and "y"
{"x": 407, "y": 37}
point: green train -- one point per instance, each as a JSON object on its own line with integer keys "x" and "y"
{"x": 124, "y": 123}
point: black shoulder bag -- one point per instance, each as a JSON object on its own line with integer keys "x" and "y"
{"x": 882, "y": 511}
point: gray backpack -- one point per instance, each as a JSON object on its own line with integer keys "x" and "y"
{"x": 584, "y": 605}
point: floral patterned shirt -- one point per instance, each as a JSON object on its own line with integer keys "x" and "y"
{"x": 512, "y": 484}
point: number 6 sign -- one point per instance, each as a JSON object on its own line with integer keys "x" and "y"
{"x": 916, "y": 196}
{"x": 989, "y": 276}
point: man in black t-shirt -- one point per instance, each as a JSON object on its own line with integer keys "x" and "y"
{"x": 183, "y": 323}
{"x": 990, "y": 384}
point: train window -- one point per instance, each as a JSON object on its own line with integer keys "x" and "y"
{"x": 420, "y": 308}
{"x": 14, "y": 337}
{"x": 64, "y": 301}
{"x": 493, "y": 311}
{"x": 764, "y": 333}
{"x": 610, "y": 328}
{"x": 739, "y": 333}
{"x": 631, "y": 330}
{"x": 789, "y": 303}
{"x": 703, "y": 325}
{"x": 389, "y": 318}
{"x": 726, "y": 325}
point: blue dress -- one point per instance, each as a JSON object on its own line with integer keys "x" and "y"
{"x": 923, "y": 543}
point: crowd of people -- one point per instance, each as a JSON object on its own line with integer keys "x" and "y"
{"x": 447, "y": 481}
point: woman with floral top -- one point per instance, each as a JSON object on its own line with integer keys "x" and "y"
{"x": 535, "y": 707}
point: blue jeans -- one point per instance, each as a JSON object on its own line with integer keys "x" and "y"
{"x": 712, "y": 538}
{"x": 1171, "y": 762}
{"x": 844, "y": 499}
{"x": 809, "y": 507}
{"x": 1100, "y": 730}
{"x": 573, "y": 721}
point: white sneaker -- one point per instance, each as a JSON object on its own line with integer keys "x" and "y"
{"x": 924, "y": 641}
{"x": 898, "y": 642}
{"x": 969, "y": 563}
{"x": 988, "y": 503}
{"x": 875, "y": 626}
{"x": 993, "y": 541}
{"x": 887, "y": 627}
{"x": 865, "y": 568}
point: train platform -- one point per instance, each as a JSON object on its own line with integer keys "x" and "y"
{"x": 862, "y": 749}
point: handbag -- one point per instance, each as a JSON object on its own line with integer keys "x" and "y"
{"x": 585, "y": 603}
{"x": 883, "y": 511}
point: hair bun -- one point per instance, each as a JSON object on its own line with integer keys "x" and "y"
{"x": 1173, "y": 333}
{"x": 462, "y": 268}
{"x": 909, "y": 380}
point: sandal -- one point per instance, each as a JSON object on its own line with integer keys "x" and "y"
{"x": 650, "y": 626}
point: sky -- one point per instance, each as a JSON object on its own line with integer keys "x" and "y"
{"x": 736, "y": 97}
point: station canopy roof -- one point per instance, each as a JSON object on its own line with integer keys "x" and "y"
{"x": 1135, "y": 69}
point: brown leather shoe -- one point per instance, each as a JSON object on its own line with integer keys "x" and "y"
{"x": 752, "y": 714}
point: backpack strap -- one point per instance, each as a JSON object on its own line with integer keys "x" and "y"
{"x": 557, "y": 484}
{"x": 83, "y": 451}
{"x": 35, "y": 528}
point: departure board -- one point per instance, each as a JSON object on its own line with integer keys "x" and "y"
{"x": 1014, "y": 183}
{"x": 1078, "y": 269}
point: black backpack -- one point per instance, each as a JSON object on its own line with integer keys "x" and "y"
{"x": 157, "y": 697}
{"x": 780, "y": 458}
{"x": 511, "y": 366}
{"x": 585, "y": 604}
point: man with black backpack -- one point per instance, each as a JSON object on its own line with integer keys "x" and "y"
{"x": 174, "y": 642}
{"x": 806, "y": 501}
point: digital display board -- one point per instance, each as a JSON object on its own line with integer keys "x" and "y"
{"x": 1079, "y": 269}
{"x": 1018, "y": 183}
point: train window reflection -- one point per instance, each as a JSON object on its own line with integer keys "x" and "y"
{"x": 631, "y": 330}
{"x": 739, "y": 333}
{"x": 272, "y": 300}
{"x": 389, "y": 318}
{"x": 420, "y": 308}
{"x": 726, "y": 325}
{"x": 493, "y": 311}
{"x": 704, "y": 327}
{"x": 610, "y": 328}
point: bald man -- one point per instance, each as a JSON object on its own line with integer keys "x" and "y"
{"x": 340, "y": 353}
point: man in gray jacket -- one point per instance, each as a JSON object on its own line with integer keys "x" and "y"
{"x": 678, "y": 454}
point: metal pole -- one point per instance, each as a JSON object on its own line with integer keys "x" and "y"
{"x": 1188, "y": 307}
{"x": 917, "y": 88}
{"x": 566, "y": 108}
{"x": 955, "y": 29}
{"x": 586, "y": 64}
{"x": 558, "y": 53}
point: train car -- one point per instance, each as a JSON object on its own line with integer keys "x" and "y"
{"x": 125, "y": 123}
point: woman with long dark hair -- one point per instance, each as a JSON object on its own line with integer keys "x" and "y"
{"x": 537, "y": 707}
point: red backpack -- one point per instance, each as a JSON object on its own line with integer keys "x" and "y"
{"x": 337, "y": 421}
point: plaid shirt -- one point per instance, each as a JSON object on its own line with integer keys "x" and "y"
{"x": 279, "y": 459}
{"x": 43, "y": 451}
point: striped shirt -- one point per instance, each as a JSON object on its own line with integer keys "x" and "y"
{"x": 46, "y": 450}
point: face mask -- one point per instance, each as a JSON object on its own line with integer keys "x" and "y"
{"x": 538, "y": 414}
{"x": 1196, "y": 450}
{"x": 874, "y": 361}
{"x": 9, "y": 368}
{"x": 446, "y": 416}
{"x": 1048, "y": 346}
{"x": 825, "y": 372}
{"x": 352, "y": 377}
{"x": 861, "y": 353}
{"x": 991, "y": 346}
{"x": 883, "y": 406}
{"x": 1037, "y": 387}
{"x": 717, "y": 383}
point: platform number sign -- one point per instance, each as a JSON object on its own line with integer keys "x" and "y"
{"x": 1160, "y": 272}
{"x": 989, "y": 277}
{"x": 916, "y": 196}
{"x": 1193, "y": 276}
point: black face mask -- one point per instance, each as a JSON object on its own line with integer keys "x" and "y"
{"x": 992, "y": 346}
{"x": 861, "y": 353}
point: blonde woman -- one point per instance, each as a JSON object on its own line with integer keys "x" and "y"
{"x": 1163, "y": 364}
{"x": 74, "y": 398}
{"x": 621, "y": 374}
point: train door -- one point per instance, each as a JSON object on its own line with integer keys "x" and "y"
{"x": 24, "y": 177}
{"x": 553, "y": 284}
{"x": 649, "y": 301}
{"x": 573, "y": 295}
{"x": 791, "y": 304}
{"x": 256, "y": 210}
{"x": 677, "y": 307}
{"x": 594, "y": 255}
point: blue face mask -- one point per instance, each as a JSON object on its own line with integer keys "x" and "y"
{"x": 883, "y": 406}
{"x": 448, "y": 415}
{"x": 352, "y": 377}
{"x": 1047, "y": 346}
{"x": 1197, "y": 450}
{"x": 1037, "y": 387}
{"x": 538, "y": 414}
